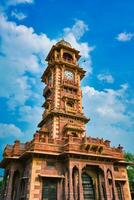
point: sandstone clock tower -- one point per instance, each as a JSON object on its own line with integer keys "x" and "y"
{"x": 61, "y": 162}
{"x": 63, "y": 113}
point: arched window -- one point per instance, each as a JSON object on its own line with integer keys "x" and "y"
{"x": 15, "y": 185}
{"x": 67, "y": 57}
{"x": 88, "y": 187}
{"x": 70, "y": 104}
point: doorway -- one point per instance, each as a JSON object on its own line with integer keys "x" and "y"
{"x": 49, "y": 190}
{"x": 88, "y": 187}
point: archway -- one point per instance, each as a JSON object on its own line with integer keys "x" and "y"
{"x": 88, "y": 187}
{"x": 67, "y": 57}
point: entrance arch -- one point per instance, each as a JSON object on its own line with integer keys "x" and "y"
{"x": 88, "y": 187}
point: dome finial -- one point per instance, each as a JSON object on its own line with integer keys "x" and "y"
{"x": 63, "y": 42}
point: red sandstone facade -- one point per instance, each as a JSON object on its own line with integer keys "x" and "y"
{"x": 61, "y": 163}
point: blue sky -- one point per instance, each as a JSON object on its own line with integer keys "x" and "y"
{"x": 102, "y": 30}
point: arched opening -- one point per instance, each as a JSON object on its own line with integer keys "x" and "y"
{"x": 88, "y": 187}
{"x": 15, "y": 185}
{"x": 102, "y": 186}
{"x": 70, "y": 104}
{"x": 67, "y": 57}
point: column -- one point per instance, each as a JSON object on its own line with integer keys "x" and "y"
{"x": 80, "y": 186}
{"x": 60, "y": 193}
{"x": 114, "y": 187}
{"x": 106, "y": 185}
{"x": 70, "y": 185}
{"x": 66, "y": 185}
{"x": 4, "y": 184}
{"x": 75, "y": 185}
{"x": 10, "y": 185}
{"x": 100, "y": 187}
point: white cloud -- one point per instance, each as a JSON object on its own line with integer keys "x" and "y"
{"x": 109, "y": 115}
{"x": 22, "y": 62}
{"x": 124, "y": 36}
{"x": 15, "y": 2}
{"x": 7, "y": 130}
{"x": 23, "y": 51}
{"x": 78, "y": 29}
{"x": 18, "y": 15}
{"x": 30, "y": 114}
{"x": 73, "y": 36}
{"x": 106, "y": 78}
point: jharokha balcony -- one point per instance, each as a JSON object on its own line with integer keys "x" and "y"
{"x": 67, "y": 145}
{"x": 64, "y": 60}
{"x": 70, "y": 83}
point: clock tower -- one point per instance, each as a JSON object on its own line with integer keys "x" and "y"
{"x": 63, "y": 114}
{"x": 61, "y": 162}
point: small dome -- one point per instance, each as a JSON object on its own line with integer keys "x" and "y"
{"x": 63, "y": 42}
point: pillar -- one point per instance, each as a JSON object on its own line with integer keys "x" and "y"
{"x": 59, "y": 190}
{"x": 114, "y": 187}
{"x": 106, "y": 184}
{"x": 10, "y": 184}
{"x": 66, "y": 186}
{"x": 80, "y": 185}
{"x": 76, "y": 192}
{"x": 100, "y": 187}
{"x": 70, "y": 185}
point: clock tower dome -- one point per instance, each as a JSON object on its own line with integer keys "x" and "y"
{"x": 63, "y": 114}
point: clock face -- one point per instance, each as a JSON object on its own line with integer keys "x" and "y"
{"x": 69, "y": 75}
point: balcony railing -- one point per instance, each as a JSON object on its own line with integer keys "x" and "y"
{"x": 71, "y": 109}
{"x": 70, "y": 83}
{"x": 46, "y": 144}
{"x": 66, "y": 60}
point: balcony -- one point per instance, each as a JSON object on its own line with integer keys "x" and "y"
{"x": 69, "y": 95}
{"x": 71, "y": 109}
{"x": 65, "y": 60}
{"x": 70, "y": 83}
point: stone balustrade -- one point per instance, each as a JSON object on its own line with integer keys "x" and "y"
{"x": 87, "y": 145}
{"x": 70, "y": 83}
{"x": 65, "y": 60}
